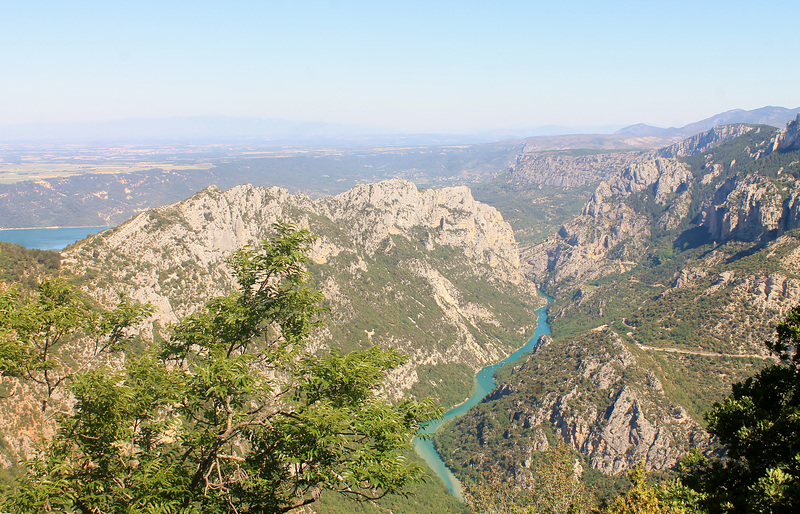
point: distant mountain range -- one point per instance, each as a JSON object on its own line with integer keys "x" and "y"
{"x": 643, "y": 136}
{"x": 205, "y": 129}
{"x": 775, "y": 116}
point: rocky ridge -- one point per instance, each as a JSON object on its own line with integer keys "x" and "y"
{"x": 667, "y": 285}
{"x": 565, "y": 168}
{"x": 399, "y": 266}
{"x": 705, "y": 140}
{"x": 610, "y": 235}
{"x": 594, "y": 407}
{"x": 788, "y": 139}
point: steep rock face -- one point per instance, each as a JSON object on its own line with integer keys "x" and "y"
{"x": 609, "y": 235}
{"x": 788, "y": 139}
{"x": 665, "y": 176}
{"x": 580, "y": 251}
{"x": 579, "y": 389}
{"x": 403, "y": 267}
{"x": 564, "y": 170}
{"x": 748, "y": 208}
{"x": 704, "y": 140}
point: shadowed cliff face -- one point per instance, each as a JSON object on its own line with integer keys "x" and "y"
{"x": 431, "y": 272}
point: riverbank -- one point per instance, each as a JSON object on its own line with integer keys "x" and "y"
{"x": 484, "y": 384}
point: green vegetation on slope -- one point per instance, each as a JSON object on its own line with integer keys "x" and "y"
{"x": 692, "y": 313}
{"x": 230, "y": 414}
{"x": 26, "y": 267}
{"x": 759, "y": 423}
{"x": 391, "y": 280}
{"x": 535, "y": 213}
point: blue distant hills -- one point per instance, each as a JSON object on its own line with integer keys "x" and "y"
{"x": 775, "y": 116}
{"x": 223, "y": 129}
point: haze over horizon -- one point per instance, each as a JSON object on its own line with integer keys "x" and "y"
{"x": 415, "y": 67}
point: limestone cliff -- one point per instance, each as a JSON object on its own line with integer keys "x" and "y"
{"x": 568, "y": 170}
{"x": 745, "y": 208}
{"x": 705, "y": 140}
{"x": 610, "y": 235}
{"x": 751, "y": 208}
{"x": 431, "y": 272}
{"x": 788, "y": 139}
{"x": 580, "y": 390}
{"x": 573, "y": 169}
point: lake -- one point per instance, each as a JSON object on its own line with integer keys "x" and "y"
{"x": 484, "y": 384}
{"x": 47, "y": 238}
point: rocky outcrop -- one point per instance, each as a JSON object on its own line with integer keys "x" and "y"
{"x": 609, "y": 235}
{"x": 451, "y": 217}
{"x": 769, "y": 293}
{"x": 581, "y": 249}
{"x": 665, "y": 176}
{"x": 787, "y": 139}
{"x": 705, "y": 140}
{"x": 635, "y": 421}
{"x": 749, "y": 208}
{"x": 688, "y": 276}
{"x": 579, "y": 388}
{"x": 433, "y": 273}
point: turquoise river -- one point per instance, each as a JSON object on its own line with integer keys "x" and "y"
{"x": 484, "y": 383}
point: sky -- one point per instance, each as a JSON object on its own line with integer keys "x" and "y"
{"x": 405, "y": 66}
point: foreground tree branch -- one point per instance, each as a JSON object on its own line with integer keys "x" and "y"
{"x": 231, "y": 414}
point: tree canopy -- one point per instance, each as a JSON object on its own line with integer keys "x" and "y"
{"x": 553, "y": 485}
{"x": 232, "y": 413}
{"x": 759, "y": 423}
{"x": 38, "y": 330}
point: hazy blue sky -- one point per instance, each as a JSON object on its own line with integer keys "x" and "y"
{"x": 404, "y": 65}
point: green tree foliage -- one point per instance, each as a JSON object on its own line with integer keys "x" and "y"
{"x": 552, "y": 486}
{"x": 666, "y": 497}
{"x": 760, "y": 425}
{"x": 25, "y": 266}
{"x": 232, "y": 413}
{"x": 36, "y": 326}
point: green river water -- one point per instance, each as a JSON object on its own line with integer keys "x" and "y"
{"x": 484, "y": 384}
